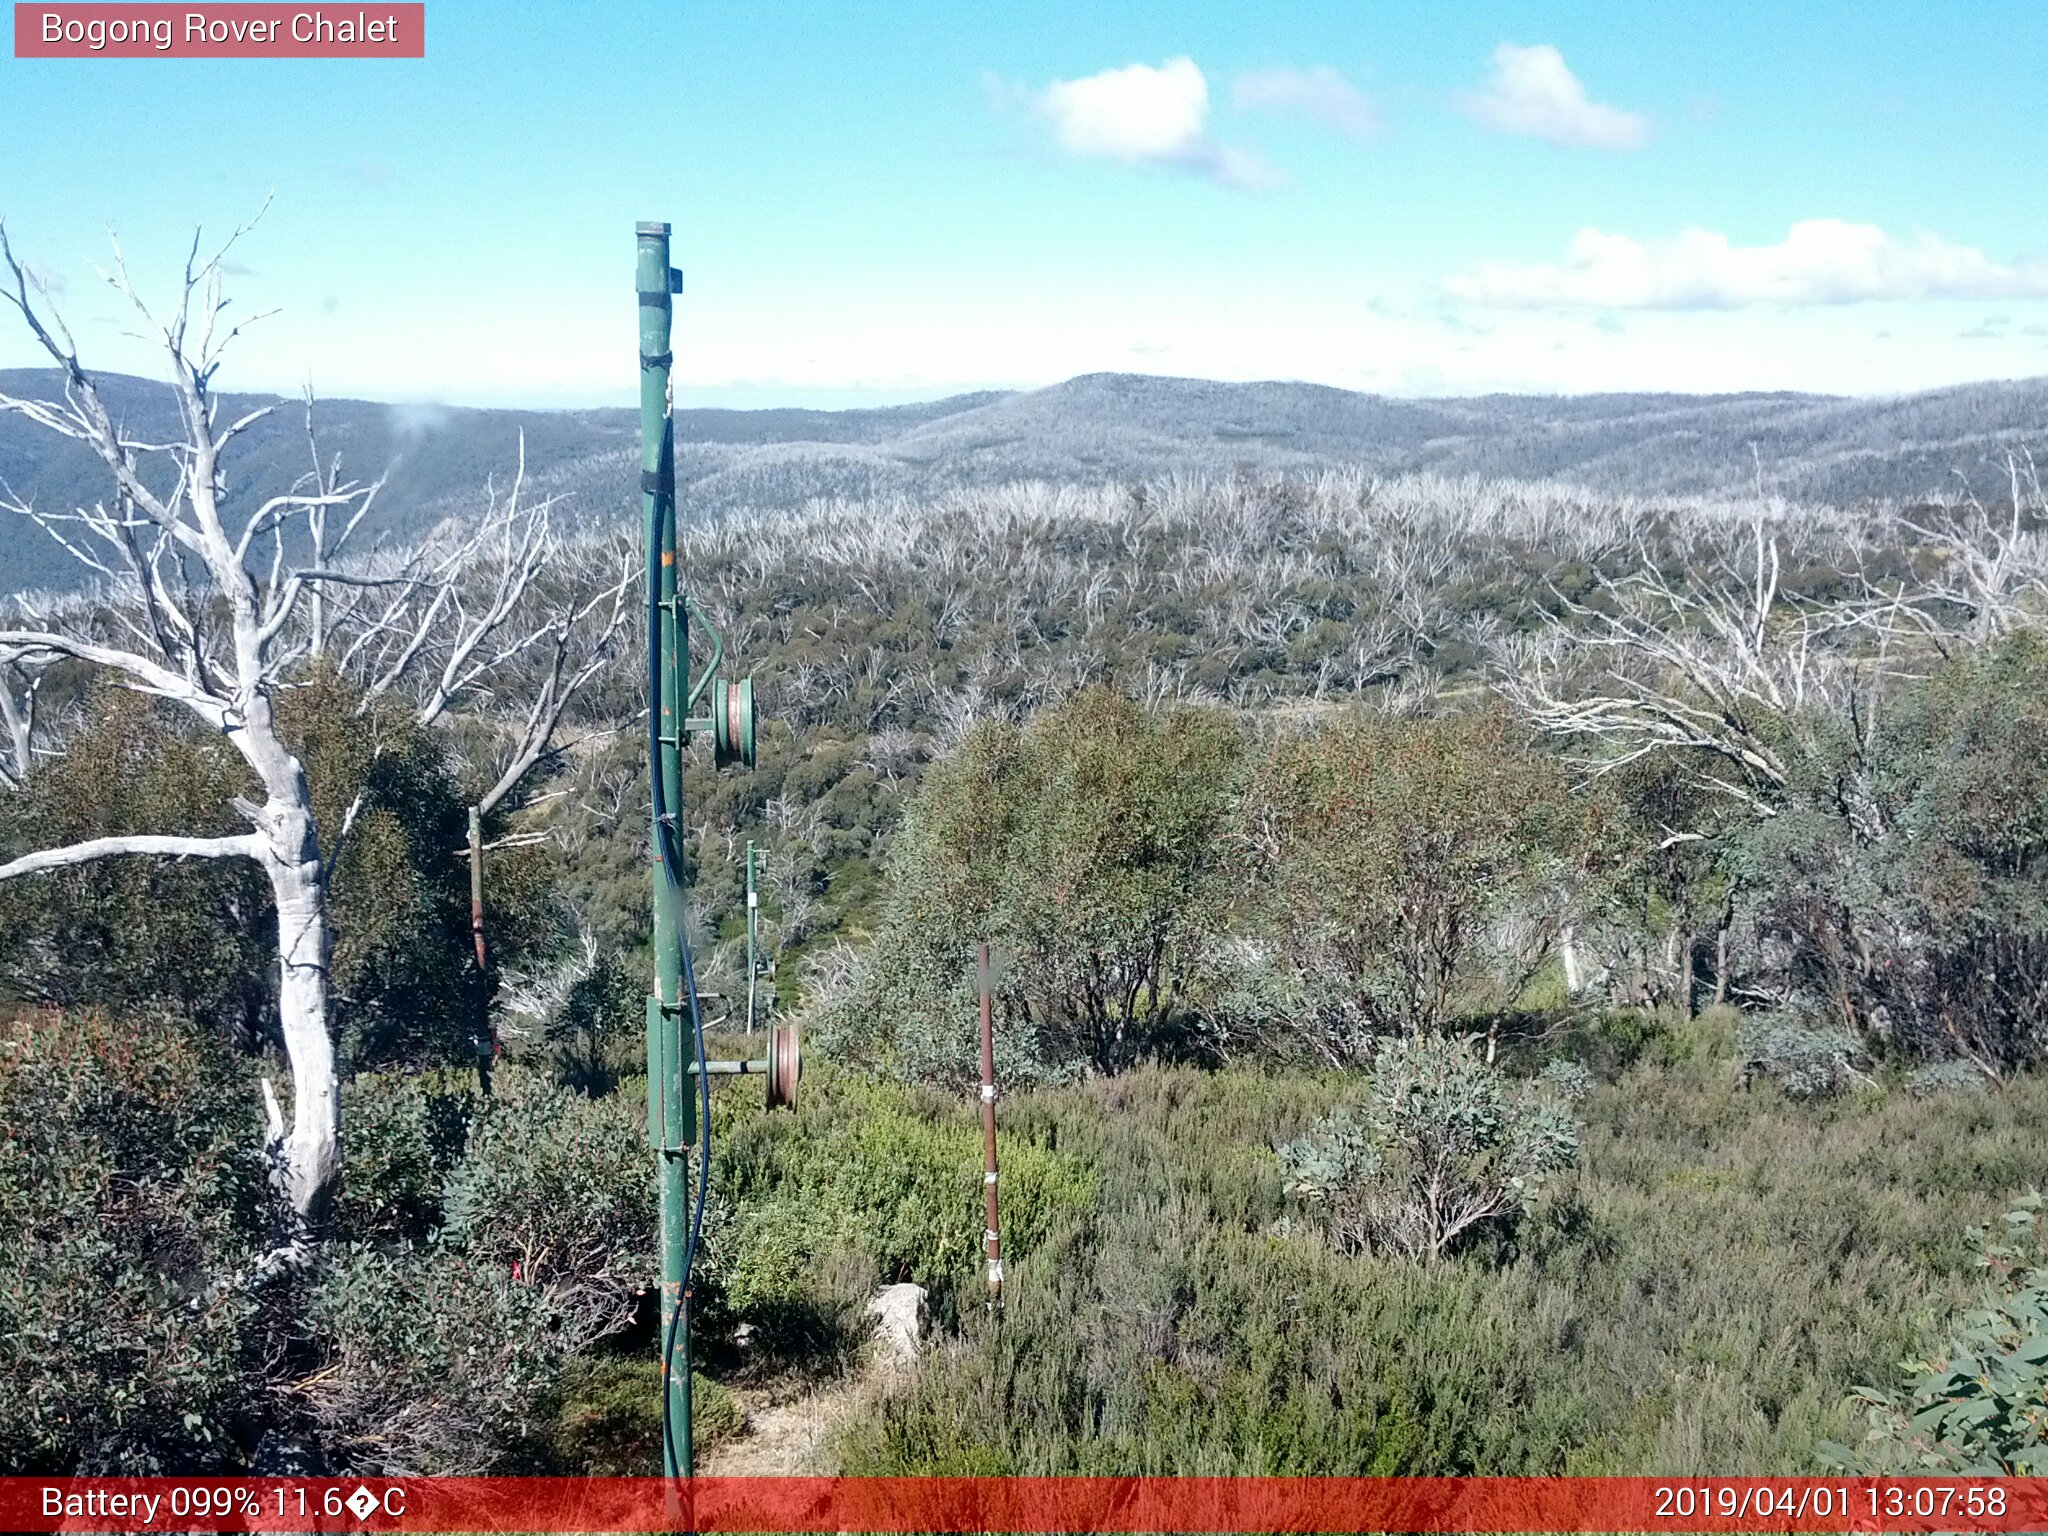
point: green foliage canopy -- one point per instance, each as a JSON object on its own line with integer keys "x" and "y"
{"x": 1390, "y": 853}
{"x": 130, "y": 1192}
{"x": 1087, "y": 848}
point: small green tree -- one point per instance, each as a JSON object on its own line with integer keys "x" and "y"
{"x": 1409, "y": 867}
{"x": 196, "y": 940}
{"x": 140, "y": 938}
{"x": 1666, "y": 883}
{"x": 1444, "y": 1146}
{"x": 403, "y": 970}
{"x": 1085, "y": 847}
{"x": 1899, "y": 893}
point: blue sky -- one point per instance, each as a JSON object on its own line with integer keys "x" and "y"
{"x": 892, "y": 201}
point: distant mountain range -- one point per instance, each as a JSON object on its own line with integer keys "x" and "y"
{"x": 1090, "y": 429}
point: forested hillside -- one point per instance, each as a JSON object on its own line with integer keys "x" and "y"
{"x": 1099, "y": 429}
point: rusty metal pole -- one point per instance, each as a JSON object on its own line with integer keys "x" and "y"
{"x": 992, "y": 1237}
{"x": 485, "y": 1039}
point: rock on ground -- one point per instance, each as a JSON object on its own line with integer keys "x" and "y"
{"x": 898, "y": 1311}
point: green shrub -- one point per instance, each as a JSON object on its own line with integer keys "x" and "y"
{"x": 1950, "y": 1076}
{"x": 890, "y": 1175}
{"x": 556, "y": 1188}
{"x": 1701, "y": 1290}
{"x": 1805, "y": 1061}
{"x": 598, "y": 1031}
{"x": 1978, "y": 1406}
{"x": 130, "y": 1199}
{"x": 448, "y": 1357}
{"x": 608, "y": 1422}
{"x": 402, "y": 1135}
{"x": 440, "y": 1363}
{"x": 1444, "y": 1147}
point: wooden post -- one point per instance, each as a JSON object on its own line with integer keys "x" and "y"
{"x": 485, "y": 1036}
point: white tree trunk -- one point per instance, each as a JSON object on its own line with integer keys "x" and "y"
{"x": 308, "y": 1153}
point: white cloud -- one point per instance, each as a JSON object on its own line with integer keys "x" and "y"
{"x": 1820, "y": 261}
{"x": 1321, "y": 93}
{"x": 1533, "y": 92}
{"x": 1140, "y": 115}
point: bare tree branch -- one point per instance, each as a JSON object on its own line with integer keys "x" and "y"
{"x": 243, "y": 846}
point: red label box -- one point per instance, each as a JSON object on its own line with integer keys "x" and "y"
{"x": 1190, "y": 1506}
{"x": 368, "y": 29}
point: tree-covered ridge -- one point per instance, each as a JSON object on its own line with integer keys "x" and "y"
{"x": 1095, "y": 430}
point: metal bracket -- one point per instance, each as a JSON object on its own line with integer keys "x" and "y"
{"x": 717, "y": 654}
{"x": 671, "y": 1112}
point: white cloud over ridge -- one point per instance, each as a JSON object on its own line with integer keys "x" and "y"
{"x": 1532, "y": 92}
{"x": 1322, "y": 94}
{"x": 1147, "y": 116}
{"x": 1819, "y": 262}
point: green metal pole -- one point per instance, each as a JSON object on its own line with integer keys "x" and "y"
{"x": 671, "y": 1110}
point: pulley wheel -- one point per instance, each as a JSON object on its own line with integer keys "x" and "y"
{"x": 784, "y": 1066}
{"x": 732, "y": 722}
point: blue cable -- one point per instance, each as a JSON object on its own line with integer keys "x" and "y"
{"x": 671, "y": 865}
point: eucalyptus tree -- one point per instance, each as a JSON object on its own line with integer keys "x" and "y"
{"x": 217, "y": 595}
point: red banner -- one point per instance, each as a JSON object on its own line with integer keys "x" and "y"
{"x": 1052, "y": 1504}
{"x": 233, "y": 31}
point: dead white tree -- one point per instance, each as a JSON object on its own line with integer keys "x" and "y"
{"x": 1994, "y": 564}
{"x": 206, "y": 597}
{"x": 19, "y": 687}
{"x": 505, "y": 596}
{"x": 1701, "y": 666}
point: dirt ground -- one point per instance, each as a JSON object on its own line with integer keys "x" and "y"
{"x": 789, "y": 1428}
